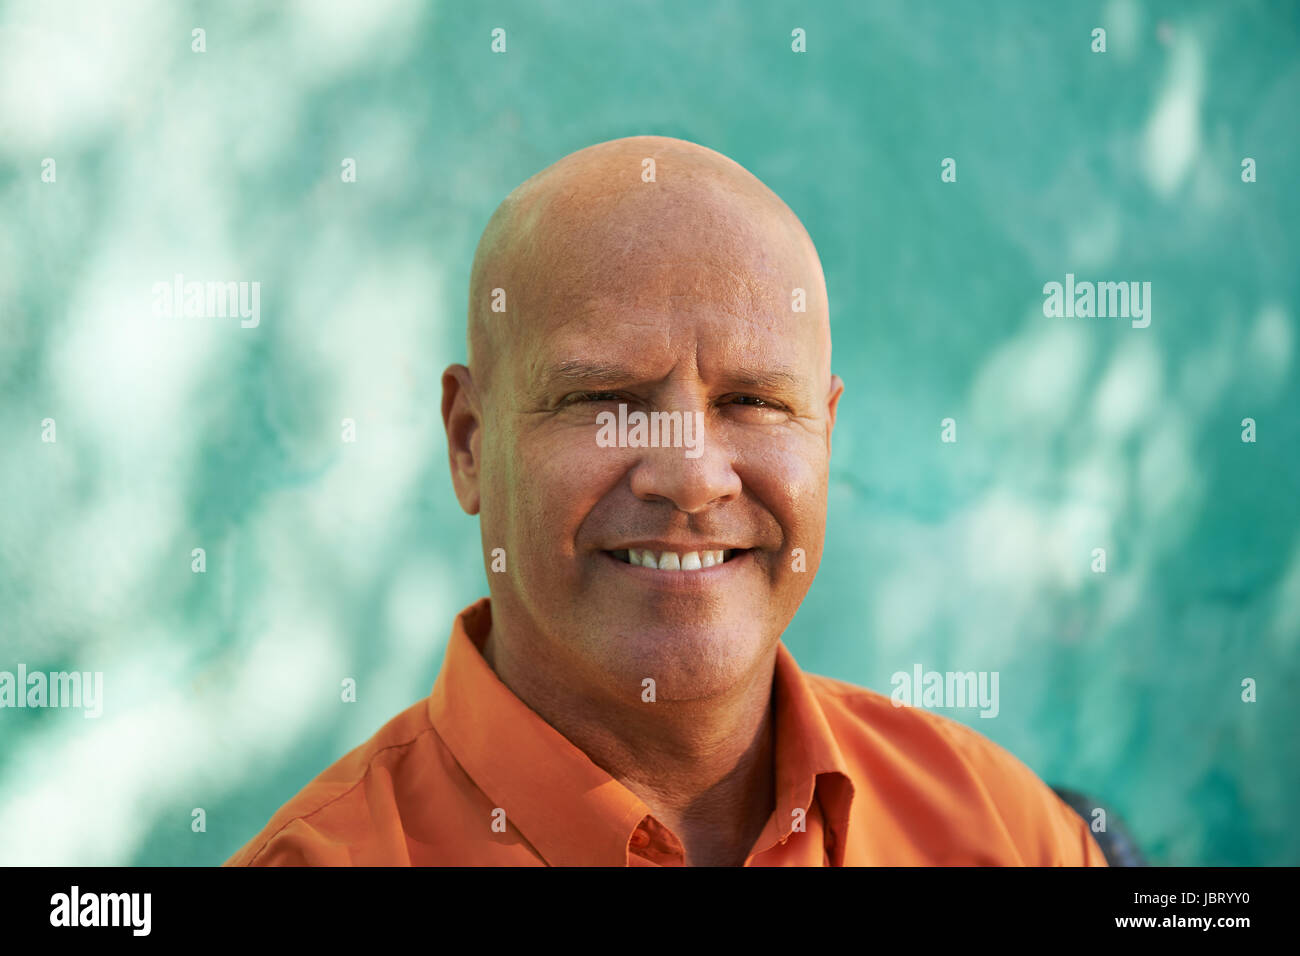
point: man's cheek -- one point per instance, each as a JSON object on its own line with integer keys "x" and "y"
{"x": 802, "y": 549}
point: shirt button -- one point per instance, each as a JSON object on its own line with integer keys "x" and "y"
{"x": 640, "y": 838}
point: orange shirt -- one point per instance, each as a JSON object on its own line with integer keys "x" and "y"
{"x": 471, "y": 776}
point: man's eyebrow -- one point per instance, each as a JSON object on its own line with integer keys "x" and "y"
{"x": 777, "y": 379}
{"x": 577, "y": 370}
{"x": 580, "y": 371}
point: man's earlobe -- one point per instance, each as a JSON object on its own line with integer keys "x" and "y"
{"x": 461, "y": 417}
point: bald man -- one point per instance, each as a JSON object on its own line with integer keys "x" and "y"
{"x": 644, "y": 430}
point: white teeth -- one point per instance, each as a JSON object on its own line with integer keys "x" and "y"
{"x": 672, "y": 561}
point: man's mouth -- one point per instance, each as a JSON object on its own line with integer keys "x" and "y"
{"x": 675, "y": 560}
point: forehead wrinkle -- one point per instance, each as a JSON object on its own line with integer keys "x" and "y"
{"x": 762, "y": 348}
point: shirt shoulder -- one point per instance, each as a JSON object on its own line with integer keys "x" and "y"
{"x": 956, "y": 781}
{"x": 351, "y": 810}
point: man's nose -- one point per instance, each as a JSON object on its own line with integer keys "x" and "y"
{"x": 692, "y": 480}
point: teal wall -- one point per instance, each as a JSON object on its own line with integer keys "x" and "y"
{"x": 328, "y": 560}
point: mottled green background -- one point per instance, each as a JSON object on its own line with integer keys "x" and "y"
{"x": 328, "y": 560}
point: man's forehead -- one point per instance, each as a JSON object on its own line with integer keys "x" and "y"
{"x": 588, "y": 237}
{"x": 656, "y": 271}
{"x": 610, "y": 349}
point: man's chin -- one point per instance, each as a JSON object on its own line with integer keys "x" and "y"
{"x": 686, "y": 660}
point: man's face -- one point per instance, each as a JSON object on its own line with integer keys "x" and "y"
{"x": 697, "y": 318}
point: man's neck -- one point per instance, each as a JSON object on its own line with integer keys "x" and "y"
{"x": 705, "y": 768}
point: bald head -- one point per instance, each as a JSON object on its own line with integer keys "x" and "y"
{"x": 612, "y": 224}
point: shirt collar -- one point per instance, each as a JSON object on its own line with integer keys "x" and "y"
{"x": 569, "y": 809}
{"x": 809, "y": 762}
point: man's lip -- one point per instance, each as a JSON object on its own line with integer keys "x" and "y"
{"x": 663, "y": 579}
{"x": 658, "y": 547}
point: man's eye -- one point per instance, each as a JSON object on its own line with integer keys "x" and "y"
{"x": 589, "y": 397}
{"x": 753, "y": 401}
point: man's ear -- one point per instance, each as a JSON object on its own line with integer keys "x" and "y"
{"x": 837, "y": 389}
{"x": 462, "y": 417}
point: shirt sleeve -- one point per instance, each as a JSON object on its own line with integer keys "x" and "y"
{"x": 1042, "y": 827}
{"x": 1090, "y": 852}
